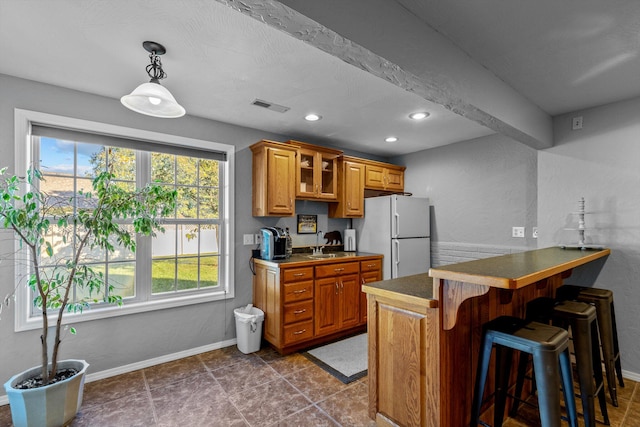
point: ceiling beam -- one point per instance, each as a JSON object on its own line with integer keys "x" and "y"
{"x": 385, "y": 39}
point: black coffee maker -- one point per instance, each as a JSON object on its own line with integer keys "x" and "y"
{"x": 274, "y": 243}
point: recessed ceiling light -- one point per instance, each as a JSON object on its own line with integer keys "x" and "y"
{"x": 419, "y": 115}
{"x": 391, "y": 139}
{"x": 312, "y": 117}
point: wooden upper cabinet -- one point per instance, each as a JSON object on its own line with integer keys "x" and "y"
{"x": 316, "y": 172}
{"x": 274, "y": 175}
{"x": 351, "y": 174}
{"x": 384, "y": 176}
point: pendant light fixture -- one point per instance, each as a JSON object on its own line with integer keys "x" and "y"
{"x": 151, "y": 98}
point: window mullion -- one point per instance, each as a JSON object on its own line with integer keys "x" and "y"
{"x": 143, "y": 243}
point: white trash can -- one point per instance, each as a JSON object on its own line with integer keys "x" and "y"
{"x": 248, "y": 328}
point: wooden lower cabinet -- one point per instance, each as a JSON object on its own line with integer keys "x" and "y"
{"x": 404, "y": 357}
{"x": 370, "y": 271}
{"x": 310, "y": 304}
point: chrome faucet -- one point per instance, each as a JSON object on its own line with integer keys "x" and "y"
{"x": 318, "y": 249}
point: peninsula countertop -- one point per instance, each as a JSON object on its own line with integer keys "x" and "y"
{"x": 517, "y": 270}
{"x": 422, "y": 357}
{"x": 417, "y": 289}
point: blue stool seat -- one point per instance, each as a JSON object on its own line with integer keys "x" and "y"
{"x": 548, "y": 345}
{"x": 580, "y": 319}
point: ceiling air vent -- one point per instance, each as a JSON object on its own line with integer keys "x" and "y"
{"x": 270, "y": 106}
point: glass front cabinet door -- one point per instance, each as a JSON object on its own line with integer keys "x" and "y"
{"x": 316, "y": 172}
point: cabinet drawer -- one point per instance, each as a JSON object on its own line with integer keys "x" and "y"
{"x": 298, "y": 291}
{"x": 297, "y": 274}
{"x": 298, "y": 332}
{"x": 371, "y": 265}
{"x": 337, "y": 269}
{"x": 298, "y": 311}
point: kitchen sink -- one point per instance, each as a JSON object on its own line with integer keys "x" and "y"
{"x": 321, "y": 256}
{"x": 331, "y": 255}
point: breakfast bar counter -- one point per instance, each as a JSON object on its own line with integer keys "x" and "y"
{"x": 425, "y": 330}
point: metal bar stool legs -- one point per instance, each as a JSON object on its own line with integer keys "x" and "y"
{"x": 581, "y": 318}
{"x": 548, "y": 346}
{"x": 602, "y": 299}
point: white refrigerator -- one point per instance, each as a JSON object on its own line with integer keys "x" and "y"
{"x": 398, "y": 228}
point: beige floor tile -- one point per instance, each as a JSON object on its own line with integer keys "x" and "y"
{"x": 108, "y": 389}
{"x": 315, "y": 383}
{"x": 131, "y": 411}
{"x": 268, "y": 403}
{"x": 245, "y": 374}
{"x": 311, "y": 416}
{"x": 350, "y": 407}
{"x": 167, "y": 373}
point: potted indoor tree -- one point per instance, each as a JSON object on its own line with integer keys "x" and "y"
{"x": 106, "y": 218}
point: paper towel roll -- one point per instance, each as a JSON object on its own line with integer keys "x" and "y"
{"x": 350, "y": 240}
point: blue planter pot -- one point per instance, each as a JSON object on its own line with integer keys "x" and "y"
{"x": 54, "y": 405}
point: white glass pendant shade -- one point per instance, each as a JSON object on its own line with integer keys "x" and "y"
{"x": 154, "y": 100}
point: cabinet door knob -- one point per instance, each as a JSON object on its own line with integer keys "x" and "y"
{"x": 336, "y": 288}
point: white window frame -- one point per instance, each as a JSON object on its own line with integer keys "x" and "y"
{"x": 23, "y": 119}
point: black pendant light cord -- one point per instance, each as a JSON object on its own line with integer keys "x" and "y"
{"x": 154, "y": 69}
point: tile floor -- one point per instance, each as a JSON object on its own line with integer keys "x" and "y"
{"x": 228, "y": 388}
{"x": 223, "y": 388}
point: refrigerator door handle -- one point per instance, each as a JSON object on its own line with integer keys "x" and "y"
{"x": 396, "y": 218}
{"x": 396, "y": 262}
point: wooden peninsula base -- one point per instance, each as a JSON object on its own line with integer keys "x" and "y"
{"x": 425, "y": 331}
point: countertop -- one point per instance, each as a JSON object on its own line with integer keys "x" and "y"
{"x": 417, "y": 289}
{"x": 307, "y": 258}
{"x": 515, "y": 271}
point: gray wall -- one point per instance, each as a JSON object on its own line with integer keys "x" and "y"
{"x": 600, "y": 163}
{"x": 478, "y": 190}
{"x": 114, "y": 342}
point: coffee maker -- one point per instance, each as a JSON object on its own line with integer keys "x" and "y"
{"x": 274, "y": 243}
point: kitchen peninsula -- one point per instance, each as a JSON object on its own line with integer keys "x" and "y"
{"x": 425, "y": 330}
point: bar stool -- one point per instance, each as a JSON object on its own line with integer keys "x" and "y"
{"x": 602, "y": 299}
{"x": 580, "y": 317}
{"x": 548, "y": 346}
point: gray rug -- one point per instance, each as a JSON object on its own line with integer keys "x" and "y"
{"x": 345, "y": 359}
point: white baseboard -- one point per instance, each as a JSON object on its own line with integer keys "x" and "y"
{"x": 4, "y": 400}
{"x": 157, "y": 360}
{"x": 631, "y": 375}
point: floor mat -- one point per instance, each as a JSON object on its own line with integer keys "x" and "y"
{"x": 345, "y": 359}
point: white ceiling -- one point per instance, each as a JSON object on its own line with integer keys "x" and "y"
{"x": 562, "y": 56}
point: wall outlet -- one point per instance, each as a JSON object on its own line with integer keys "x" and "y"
{"x": 517, "y": 232}
{"x": 247, "y": 239}
{"x": 258, "y": 239}
{"x": 534, "y": 233}
{"x": 576, "y": 123}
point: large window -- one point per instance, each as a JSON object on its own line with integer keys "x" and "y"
{"x": 190, "y": 262}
